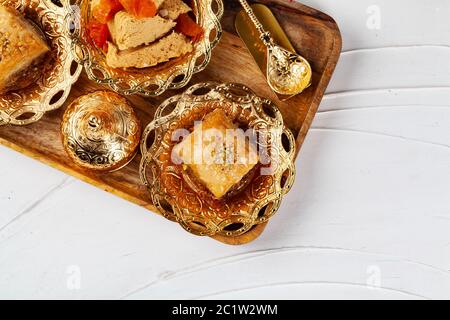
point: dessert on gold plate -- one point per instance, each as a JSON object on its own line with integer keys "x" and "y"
{"x": 220, "y": 162}
{"x": 224, "y": 161}
{"x": 22, "y": 48}
{"x": 37, "y": 69}
{"x": 144, "y": 46}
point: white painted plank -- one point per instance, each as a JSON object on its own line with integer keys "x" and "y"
{"x": 369, "y": 192}
{"x": 367, "y": 275}
{"x": 421, "y": 124}
{"x": 419, "y": 97}
{"x": 22, "y": 189}
{"x": 392, "y": 68}
{"x": 314, "y": 291}
{"x": 402, "y": 22}
{"x": 120, "y": 248}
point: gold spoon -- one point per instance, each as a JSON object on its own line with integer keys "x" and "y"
{"x": 287, "y": 73}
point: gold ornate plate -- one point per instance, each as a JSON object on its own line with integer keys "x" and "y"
{"x": 152, "y": 81}
{"x": 259, "y": 196}
{"x": 59, "y": 70}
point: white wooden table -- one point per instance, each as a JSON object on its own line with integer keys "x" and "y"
{"x": 369, "y": 216}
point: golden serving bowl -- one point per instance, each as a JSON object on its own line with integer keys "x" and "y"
{"x": 151, "y": 81}
{"x": 260, "y": 193}
{"x": 100, "y": 131}
{"x": 58, "y": 72}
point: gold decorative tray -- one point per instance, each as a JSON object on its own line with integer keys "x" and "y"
{"x": 313, "y": 34}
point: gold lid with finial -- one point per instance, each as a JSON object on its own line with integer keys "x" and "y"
{"x": 100, "y": 131}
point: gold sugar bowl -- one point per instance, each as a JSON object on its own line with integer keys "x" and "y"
{"x": 100, "y": 131}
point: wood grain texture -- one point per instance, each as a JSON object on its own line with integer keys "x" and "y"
{"x": 314, "y": 34}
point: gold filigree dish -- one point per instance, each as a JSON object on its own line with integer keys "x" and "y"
{"x": 259, "y": 194}
{"x": 100, "y": 131}
{"x": 152, "y": 81}
{"x": 59, "y": 70}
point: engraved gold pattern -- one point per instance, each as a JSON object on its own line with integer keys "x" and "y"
{"x": 260, "y": 196}
{"x": 59, "y": 71}
{"x": 153, "y": 81}
{"x": 101, "y": 131}
{"x": 287, "y": 72}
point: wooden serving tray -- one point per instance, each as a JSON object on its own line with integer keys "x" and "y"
{"x": 314, "y": 34}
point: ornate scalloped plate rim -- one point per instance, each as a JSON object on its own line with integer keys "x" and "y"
{"x": 38, "y": 106}
{"x": 161, "y": 124}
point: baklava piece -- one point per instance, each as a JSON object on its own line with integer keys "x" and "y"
{"x": 217, "y": 153}
{"x": 22, "y": 48}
